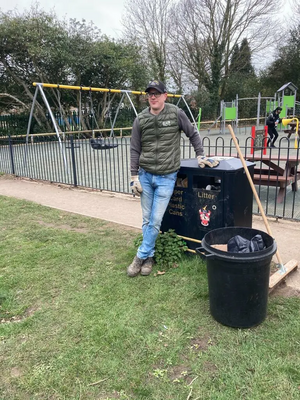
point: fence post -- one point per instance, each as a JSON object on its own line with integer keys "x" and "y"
{"x": 73, "y": 160}
{"x": 11, "y": 152}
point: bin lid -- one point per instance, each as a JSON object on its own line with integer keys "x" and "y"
{"x": 226, "y": 164}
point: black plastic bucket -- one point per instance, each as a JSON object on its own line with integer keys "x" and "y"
{"x": 238, "y": 283}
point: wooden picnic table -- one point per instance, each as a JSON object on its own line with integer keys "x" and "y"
{"x": 292, "y": 129}
{"x": 274, "y": 170}
{"x": 276, "y": 174}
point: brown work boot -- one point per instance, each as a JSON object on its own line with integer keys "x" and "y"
{"x": 147, "y": 266}
{"x": 135, "y": 267}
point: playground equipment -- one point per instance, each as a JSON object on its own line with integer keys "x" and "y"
{"x": 199, "y": 118}
{"x": 40, "y": 88}
{"x": 285, "y": 97}
{"x": 230, "y": 110}
{"x": 259, "y": 139}
{"x": 97, "y": 144}
{"x": 286, "y": 121}
{"x": 102, "y": 144}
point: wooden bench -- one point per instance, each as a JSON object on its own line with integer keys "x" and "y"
{"x": 274, "y": 180}
{"x": 289, "y": 132}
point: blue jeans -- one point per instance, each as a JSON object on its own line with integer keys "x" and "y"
{"x": 157, "y": 191}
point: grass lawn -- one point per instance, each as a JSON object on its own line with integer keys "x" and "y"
{"x": 74, "y": 326}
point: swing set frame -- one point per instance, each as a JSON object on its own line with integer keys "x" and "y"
{"x": 125, "y": 93}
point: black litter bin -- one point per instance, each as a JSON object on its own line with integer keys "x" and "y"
{"x": 209, "y": 198}
{"x": 238, "y": 283}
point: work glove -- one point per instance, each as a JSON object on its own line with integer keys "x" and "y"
{"x": 135, "y": 185}
{"x": 204, "y": 161}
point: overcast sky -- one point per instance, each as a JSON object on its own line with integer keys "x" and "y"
{"x": 106, "y": 14}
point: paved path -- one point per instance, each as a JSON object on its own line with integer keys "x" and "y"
{"x": 109, "y": 206}
{"x": 126, "y": 210}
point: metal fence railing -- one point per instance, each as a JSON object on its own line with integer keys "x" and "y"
{"x": 73, "y": 161}
{"x": 17, "y": 124}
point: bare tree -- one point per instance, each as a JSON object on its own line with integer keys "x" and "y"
{"x": 147, "y": 23}
{"x": 294, "y": 14}
{"x": 208, "y": 30}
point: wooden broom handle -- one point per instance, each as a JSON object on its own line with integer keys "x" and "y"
{"x": 253, "y": 189}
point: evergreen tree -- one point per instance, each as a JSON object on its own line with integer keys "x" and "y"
{"x": 286, "y": 67}
{"x": 241, "y": 59}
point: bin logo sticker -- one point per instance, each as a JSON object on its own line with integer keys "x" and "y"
{"x": 204, "y": 216}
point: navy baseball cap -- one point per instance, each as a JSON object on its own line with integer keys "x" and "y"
{"x": 158, "y": 85}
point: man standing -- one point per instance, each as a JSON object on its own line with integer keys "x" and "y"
{"x": 155, "y": 161}
{"x": 272, "y": 121}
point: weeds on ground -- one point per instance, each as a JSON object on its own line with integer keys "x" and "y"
{"x": 169, "y": 249}
{"x": 74, "y": 326}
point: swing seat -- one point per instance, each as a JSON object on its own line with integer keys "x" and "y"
{"x": 101, "y": 144}
{"x": 75, "y": 147}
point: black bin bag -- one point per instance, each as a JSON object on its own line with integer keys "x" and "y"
{"x": 239, "y": 244}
